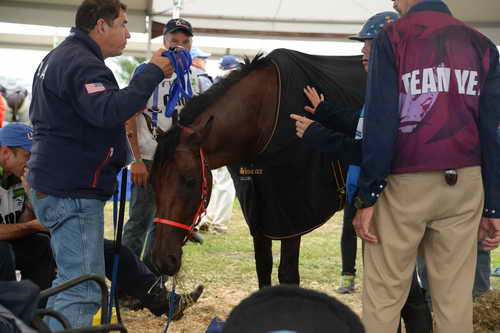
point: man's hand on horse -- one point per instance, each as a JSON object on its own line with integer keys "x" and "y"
{"x": 489, "y": 233}
{"x": 314, "y": 98}
{"x": 363, "y": 223}
{"x": 140, "y": 174}
{"x": 301, "y": 124}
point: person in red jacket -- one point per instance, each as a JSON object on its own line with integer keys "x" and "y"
{"x": 3, "y": 105}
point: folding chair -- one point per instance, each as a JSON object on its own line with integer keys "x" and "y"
{"x": 41, "y": 327}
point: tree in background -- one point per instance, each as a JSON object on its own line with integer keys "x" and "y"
{"x": 126, "y": 66}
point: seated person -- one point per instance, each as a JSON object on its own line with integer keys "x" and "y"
{"x": 18, "y": 302}
{"x": 25, "y": 243}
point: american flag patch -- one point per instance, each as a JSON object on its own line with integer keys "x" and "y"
{"x": 93, "y": 88}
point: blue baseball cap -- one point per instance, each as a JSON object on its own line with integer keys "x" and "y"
{"x": 17, "y": 135}
{"x": 374, "y": 25}
{"x": 229, "y": 62}
{"x": 196, "y": 52}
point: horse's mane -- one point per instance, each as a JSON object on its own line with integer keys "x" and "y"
{"x": 199, "y": 104}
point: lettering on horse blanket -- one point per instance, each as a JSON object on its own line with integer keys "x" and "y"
{"x": 296, "y": 189}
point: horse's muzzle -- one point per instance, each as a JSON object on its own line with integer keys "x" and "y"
{"x": 169, "y": 265}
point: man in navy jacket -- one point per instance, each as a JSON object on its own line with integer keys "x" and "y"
{"x": 79, "y": 144}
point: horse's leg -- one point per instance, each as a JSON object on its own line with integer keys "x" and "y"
{"x": 288, "y": 272}
{"x": 263, "y": 260}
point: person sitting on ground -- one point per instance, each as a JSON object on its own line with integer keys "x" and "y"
{"x": 18, "y": 302}
{"x": 25, "y": 243}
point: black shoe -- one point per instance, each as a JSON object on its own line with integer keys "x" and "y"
{"x": 159, "y": 304}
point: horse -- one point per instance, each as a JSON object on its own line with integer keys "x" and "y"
{"x": 237, "y": 121}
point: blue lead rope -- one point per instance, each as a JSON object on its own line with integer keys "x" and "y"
{"x": 181, "y": 87}
{"x": 171, "y": 307}
{"x": 116, "y": 260}
{"x": 118, "y": 217}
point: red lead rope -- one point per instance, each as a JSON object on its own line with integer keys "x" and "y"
{"x": 202, "y": 207}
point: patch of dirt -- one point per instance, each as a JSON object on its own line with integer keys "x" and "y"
{"x": 216, "y": 301}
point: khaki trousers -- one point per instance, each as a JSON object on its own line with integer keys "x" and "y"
{"x": 419, "y": 211}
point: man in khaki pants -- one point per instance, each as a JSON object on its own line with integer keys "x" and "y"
{"x": 430, "y": 175}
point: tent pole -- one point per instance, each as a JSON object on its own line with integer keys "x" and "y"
{"x": 176, "y": 12}
{"x": 149, "y": 26}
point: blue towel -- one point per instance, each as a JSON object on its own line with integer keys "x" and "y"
{"x": 216, "y": 326}
{"x": 352, "y": 182}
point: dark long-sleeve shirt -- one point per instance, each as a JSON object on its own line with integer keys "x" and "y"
{"x": 333, "y": 132}
{"x": 78, "y": 114}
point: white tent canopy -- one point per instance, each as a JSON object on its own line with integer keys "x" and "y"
{"x": 266, "y": 19}
{"x": 329, "y": 17}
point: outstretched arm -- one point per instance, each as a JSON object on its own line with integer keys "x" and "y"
{"x": 341, "y": 119}
{"x": 338, "y": 145}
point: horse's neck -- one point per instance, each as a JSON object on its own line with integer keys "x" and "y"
{"x": 243, "y": 119}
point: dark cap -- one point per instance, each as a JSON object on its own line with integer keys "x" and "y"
{"x": 374, "y": 25}
{"x": 178, "y": 24}
{"x": 291, "y": 309}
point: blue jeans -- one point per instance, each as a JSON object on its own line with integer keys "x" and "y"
{"x": 141, "y": 212}
{"x": 77, "y": 235}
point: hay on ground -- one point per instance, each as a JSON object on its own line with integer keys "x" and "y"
{"x": 487, "y": 313}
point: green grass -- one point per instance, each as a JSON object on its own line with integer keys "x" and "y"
{"x": 233, "y": 253}
{"x": 225, "y": 265}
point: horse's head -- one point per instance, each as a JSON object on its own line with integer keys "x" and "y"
{"x": 182, "y": 182}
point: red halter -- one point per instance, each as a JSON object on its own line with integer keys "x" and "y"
{"x": 202, "y": 207}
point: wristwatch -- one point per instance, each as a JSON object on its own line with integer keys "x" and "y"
{"x": 360, "y": 203}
